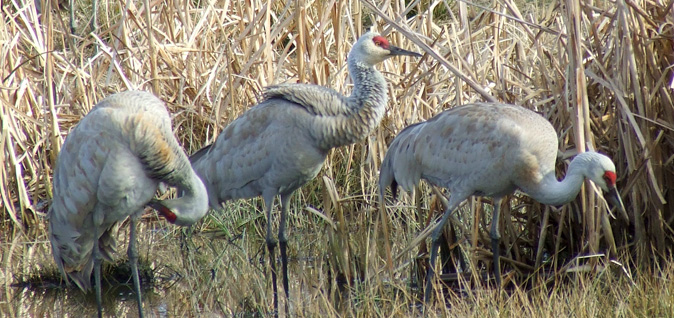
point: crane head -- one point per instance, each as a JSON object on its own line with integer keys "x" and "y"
{"x": 185, "y": 210}
{"x": 163, "y": 210}
{"x": 603, "y": 174}
{"x": 613, "y": 196}
{"x": 372, "y": 48}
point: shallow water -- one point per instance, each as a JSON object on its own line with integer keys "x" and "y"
{"x": 203, "y": 275}
{"x": 34, "y": 288}
{"x": 71, "y": 302}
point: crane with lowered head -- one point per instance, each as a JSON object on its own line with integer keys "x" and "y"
{"x": 108, "y": 170}
{"x": 489, "y": 149}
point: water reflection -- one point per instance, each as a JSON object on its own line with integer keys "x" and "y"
{"x": 184, "y": 273}
{"x": 33, "y": 287}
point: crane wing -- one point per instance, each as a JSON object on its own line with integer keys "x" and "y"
{"x": 76, "y": 181}
{"x": 238, "y": 158}
{"x": 317, "y": 100}
{"x": 399, "y": 165}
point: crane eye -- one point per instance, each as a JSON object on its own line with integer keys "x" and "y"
{"x": 381, "y": 42}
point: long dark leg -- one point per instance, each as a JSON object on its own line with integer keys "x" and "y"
{"x": 72, "y": 16}
{"x": 271, "y": 245}
{"x": 94, "y": 19}
{"x": 435, "y": 239}
{"x": 446, "y": 264}
{"x": 495, "y": 239}
{"x": 97, "y": 273}
{"x": 283, "y": 240}
{"x": 133, "y": 259}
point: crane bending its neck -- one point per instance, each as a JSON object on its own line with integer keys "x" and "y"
{"x": 187, "y": 209}
{"x": 554, "y": 192}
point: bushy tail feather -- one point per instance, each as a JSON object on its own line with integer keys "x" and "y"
{"x": 80, "y": 274}
{"x": 83, "y": 278}
{"x": 387, "y": 178}
{"x": 107, "y": 243}
{"x": 107, "y": 246}
{"x": 400, "y": 167}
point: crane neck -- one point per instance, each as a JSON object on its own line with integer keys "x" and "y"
{"x": 191, "y": 206}
{"x": 369, "y": 86}
{"x": 365, "y": 106}
{"x": 164, "y": 160}
{"x": 553, "y": 192}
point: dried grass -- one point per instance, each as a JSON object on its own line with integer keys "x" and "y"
{"x": 601, "y": 72}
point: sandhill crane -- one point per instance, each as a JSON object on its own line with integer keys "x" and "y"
{"x": 489, "y": 149}
{"x": 281, "y": 143}
{"x": 108, "y": 169}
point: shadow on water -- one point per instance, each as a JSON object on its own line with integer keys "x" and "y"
{"x": 193, "y": 275}
{"x": 33, "y": 287}
{"x": 40, "y": 290}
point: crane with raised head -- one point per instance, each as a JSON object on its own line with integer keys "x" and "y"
{"x": 108, "y": 170}
{"x": 281, "y": 143}
{"x": 489, "y": 149}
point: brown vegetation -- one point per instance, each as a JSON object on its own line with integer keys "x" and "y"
{"x": 601, "y": 72}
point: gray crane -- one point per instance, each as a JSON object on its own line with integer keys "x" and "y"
{"x": 109, "y": 169}
{"x": 281, "y": 143}
{"x": 489, "y": 149}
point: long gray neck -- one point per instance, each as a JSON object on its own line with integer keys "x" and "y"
{"x": 165, "y": 161}
{"x": 553, "y": 192}
{"x": 366, "y": 107}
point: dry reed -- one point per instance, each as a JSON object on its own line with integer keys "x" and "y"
{"x": 601, "y": 72}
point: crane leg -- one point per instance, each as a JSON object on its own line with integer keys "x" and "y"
{"x": 271, "y": 246}
{"x": 435, "y": 239}
{"x": 495, "y": 240}
{"x": 133, "y": 259}
{"x": 97, "y": 273}
{"x": 283, "y": 240}
{"x": 72, "y": 16}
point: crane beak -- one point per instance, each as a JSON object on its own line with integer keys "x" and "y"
{"x": 613, "y": 197}
{"x": 155, "y": 204}
{"x": 163, "y": 210}
{"x": 394, "y": 50}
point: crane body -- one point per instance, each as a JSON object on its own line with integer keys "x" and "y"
{"x": 489, "y": 149}
{"x": 281, "y": 143}
{"x": 108, "y": 170}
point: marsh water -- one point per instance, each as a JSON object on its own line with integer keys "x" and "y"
{"x": 184, "y": 272}
{"x": 32, "y": 286}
